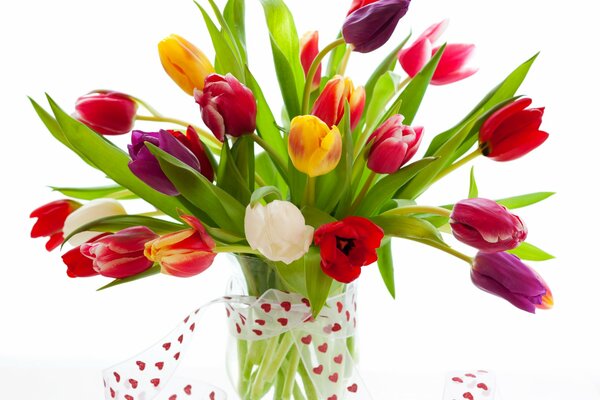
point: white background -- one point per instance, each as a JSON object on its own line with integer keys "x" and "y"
{"x": 56, "y": 333}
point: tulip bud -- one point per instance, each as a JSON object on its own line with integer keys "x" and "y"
{"x": 329, "y": 106}
{"x": 121, "y": 254}
{"x": 89, "y": 212}
{"x": 486, "y": 225}
{"x": 512, "y": 131}
{"x": 184, "y": 63}
{"x": 452, "y": 66}
{"x": 184, "y": 253}
{"x": 191, "y": 140}
{"x": 106, "y": 113}
{"x": 370, "y": 26}
{"x": 146, "y": 167}
{"x": 309, "y": 48}
{"x": 506, "y": 276}
{"x": 50, "y": 221}
{"x": 278, "y": 231}
{"x": 314, "y": 148}
{"x": 227, "y": 106}
{"x": 393, "y": 145}
{"x": 78, "y": 265}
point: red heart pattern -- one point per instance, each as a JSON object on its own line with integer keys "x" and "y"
{"x": 353, "y": 388}
{"x": 318, "y": 370}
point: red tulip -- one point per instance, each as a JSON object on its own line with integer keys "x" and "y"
{"x": 486, "y": 225}
{"x": 309, "y": 48}
{"x": 78, "y": 265}
{"x": 393, "y": 145}
{"x": 346, "y": 246}
{"x": 452, "y": 65}
{"x": 512, "y": 131}
{"x": 356, "y": 4}
{"x": 50, "y": 221}
{"x": 191, "y": 140}
{"x": 506, "y": 276}
{"x": 329, "y": 106}
{"x": 184, "y": 253}
{"x": 228, "y": 107}
{"x": 121, "y": 254}
{"x": 107, "y": 113}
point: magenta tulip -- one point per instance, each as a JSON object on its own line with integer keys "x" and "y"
{"x": 506, "y": 276}
{"x": 228, "y": 107}
{"x": 512, "y": 131}
{"x": 486, "y": 225}
{"x": 452, "y": 66}
{"x": 393, "y": 145}
{"x": 107, "y": 113}
{"x": 121, "y": 254}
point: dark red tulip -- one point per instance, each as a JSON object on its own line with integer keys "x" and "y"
{"x": 512, "y": 131}
{"x": 107, "y": 113}
{"x": 191, "y": 140}
{"x": 51, "y": 220}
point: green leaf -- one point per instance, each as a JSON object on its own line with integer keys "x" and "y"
{"x": 411, "y": 228}
{"x": 154, "y": 270}
{"x": 112, "y": 161}
{"x": 229, "y": 177}
{"x": 524, "y": 200}
{"x": 116, "y": 223}
{"x": 384, "y": 90}
{"x": 234, "y": 14}
{"x": 335, "y": 59}
{"x": 225, "y": 210}
{"x": 385, "y": 189}
{"x": 267, "y": 171}
{"x": 315, "y": 217}
{"x": 293, "y": 276}
{"x": 318, "y": 284}
{"x": 286, "y": 53}
{"x": 263, "y": 192}
{"x": 385, "y": 262}
{"x": 473, "y": 191}
{"x": 92, "y": 193}
{"x": 529, "y": 252}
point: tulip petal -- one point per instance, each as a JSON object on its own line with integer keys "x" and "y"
{"x": 415, "y": 57}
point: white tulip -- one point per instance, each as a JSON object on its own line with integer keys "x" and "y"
{"x": 91, "y": 211}
{"x": 278, "y": 231}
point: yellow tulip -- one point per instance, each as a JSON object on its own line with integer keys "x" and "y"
{"x": 314, "y": 148}
{"x": 184, "y": 63}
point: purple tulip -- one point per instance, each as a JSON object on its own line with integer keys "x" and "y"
{"x": 144, "y": 164}
{"x": 370, "y": 26}
{"x": 486, "y": 225}
{"x": 506, "y": 276}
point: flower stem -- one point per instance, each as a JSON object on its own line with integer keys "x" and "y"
{"x": 290, "y": 375}
{"x": 459, "y": 163}
{"x": 363, "y": 192}
{"x": 344, "y": 64}
{"x": 311, "y": 187}
{"x": 235, "y": 249}
{"x": 309, "y": 388}
{"x": 444, "y": 212}
{"x": 209, "y": 139}
{"x": 313, "y": 70}
{"x": 279, "y": 357}
{"x": 260, "y": 381}
{"x": 271, "y": 151}
{"x": 451, "y": 251}
{"x": 147, "y": 106}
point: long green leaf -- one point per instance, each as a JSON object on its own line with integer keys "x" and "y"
{"x": 384, "y": 90}
{"x": 529, "y": 252}
{"x": 234, "y": 14}
{"x": 229, "y": 177}
{"x": 524, "y": 200}
{"x": 385, "y": 262}
{"x": 92, "y": 193}
{"x": 112, "y": 161}
{"x": 317, "y": 283}
{"x": 473, "y": 191}
{"x": 154, "y": 270}
{"x": 409, "y": 228}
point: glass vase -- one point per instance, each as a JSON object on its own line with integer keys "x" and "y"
{"x": 277, "y": 349}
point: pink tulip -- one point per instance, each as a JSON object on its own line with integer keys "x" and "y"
{"x": 121, "y": 254}
{"x": 452, "y": 66}
{"x": 107, "y": 113}
{"x": 309, "y": 49}
{"x": 393, "y": 145}
{"x": 486, "y": 225}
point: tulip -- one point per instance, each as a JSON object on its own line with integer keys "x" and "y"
{"x": 146, "y": 167}
{"x": 50, "y": 221}
{"x": 356, "y": 4}
{"x": 191, "y": 140}
{"x": 512, "y": 131}
{"x": 278, "y": 231}
{"x": 89, "y": 212}
{"x": 393, "y": 145}
{"x": 314, "y": 148}
{"x": 309, "y": 48}
{"x": 452, "y": 66}
{"x": 106, "y": 113}
{"x": 486, "y": 225}
{"x": 346, "y": 246}
{"x": 78, "y": 265}
{"x": 121, "y": 254}
{"x": 369, "y": 27}
{"x": 329, "y": 106}
{"x": 227, "y": 106}
{"x": 184, "y": 63}
{"x": 184, "y": 253}
{"x": 506, "y": 276}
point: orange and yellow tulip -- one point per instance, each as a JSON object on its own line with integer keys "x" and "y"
{"x": 314, "y": 148}
{"x": 184, "y": 63}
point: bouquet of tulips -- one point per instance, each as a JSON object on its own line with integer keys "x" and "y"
{"x": 315, "y": 195}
